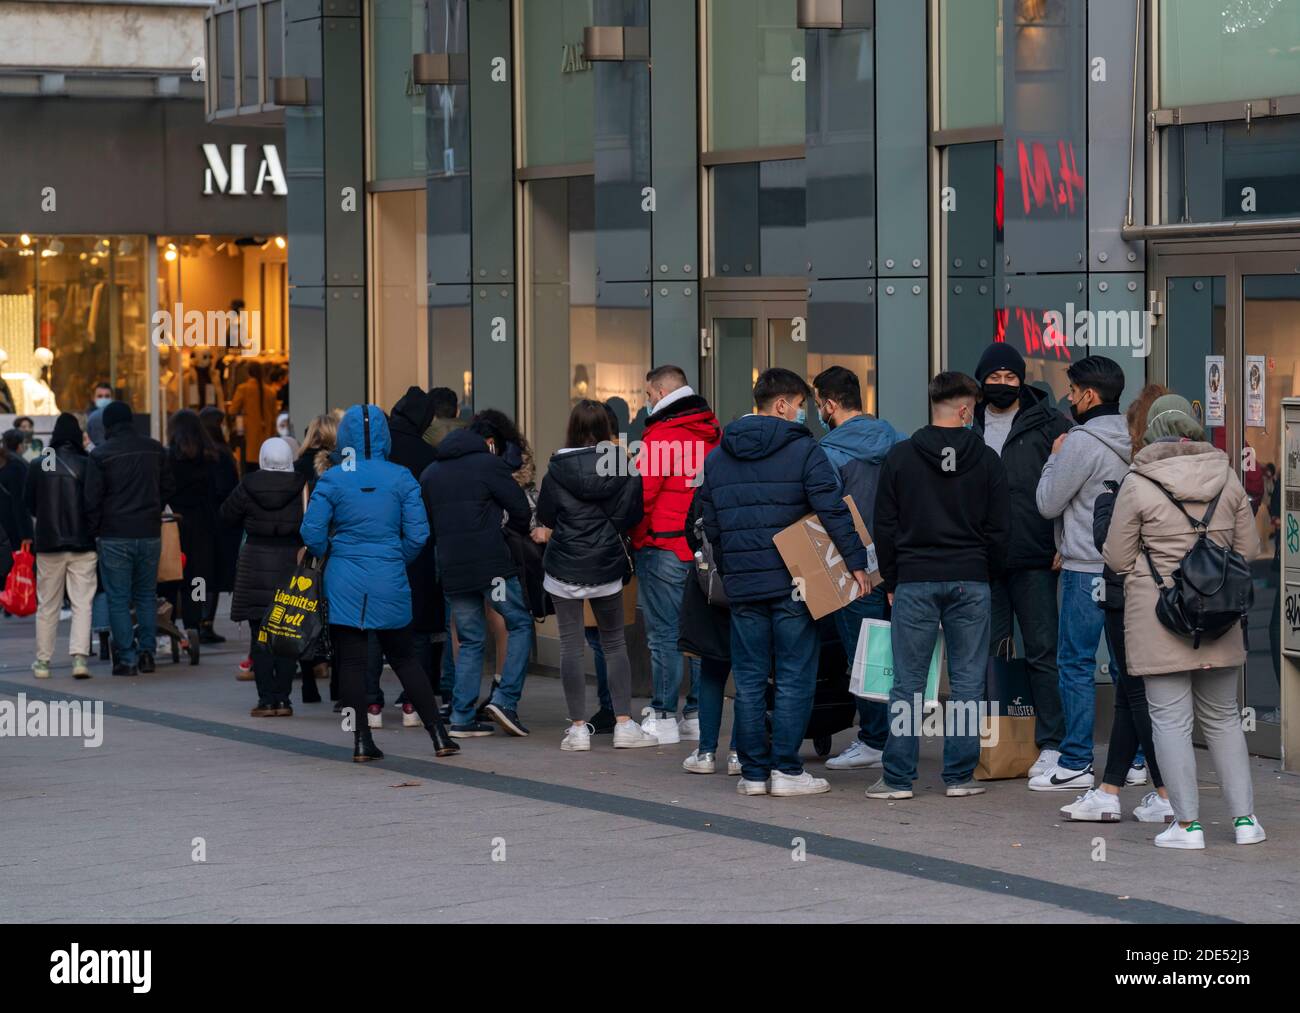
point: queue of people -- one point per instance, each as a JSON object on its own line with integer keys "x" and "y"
{"x": 1001, "y": 514}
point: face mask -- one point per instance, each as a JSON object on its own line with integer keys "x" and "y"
{"x": 1075, "y": 410}
{"x": 103, "y": 402}
{"x": 282, "y": 430}
{"x": 1001, "y": 395}
{"x": 801, "y": 417}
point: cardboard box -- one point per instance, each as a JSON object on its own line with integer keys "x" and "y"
{"x": 810, "y": 555}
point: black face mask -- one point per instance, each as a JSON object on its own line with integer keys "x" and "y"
{"x": 1001, "y": 395}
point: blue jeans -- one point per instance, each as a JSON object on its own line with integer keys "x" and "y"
{"x": 447, "y": 683}
{"x": 963, "y": 607}
{"x": 772, "y": 635}
{"x": 713, "y": 684}
{"x": 661, "y": 578}
{"x": 873, "y": 716}
{"x": 602, "y": 673}
{"x": 1077, "y": 641}
{"x": 471, "y": 627}
{"x": 128, "y": 569}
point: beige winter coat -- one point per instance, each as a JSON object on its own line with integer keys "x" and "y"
{"x": 1194, "y": 473}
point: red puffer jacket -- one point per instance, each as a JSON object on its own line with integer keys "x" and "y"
{"x": 671, "y": 461}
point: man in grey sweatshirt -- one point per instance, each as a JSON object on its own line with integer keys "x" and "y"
{"x": 1097, "y": 450}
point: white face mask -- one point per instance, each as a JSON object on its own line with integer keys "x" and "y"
{"x": 283, "y": 429}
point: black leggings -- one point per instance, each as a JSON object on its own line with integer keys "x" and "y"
{"x": 274, "y": 675}
{"x": 351, "y": 650}
{"x": 1131, "y": 726}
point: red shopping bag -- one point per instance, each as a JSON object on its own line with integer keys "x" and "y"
{"x": 19, "y": 595}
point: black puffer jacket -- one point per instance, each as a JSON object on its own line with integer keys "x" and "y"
{"x": 56, "y": 499}
{"x": 128, "y": 483}
{"x": 268, "y": 506}
{"x": 467, "y": 491}
{"x": 406, "y": 425}
{"x": 588, "y": 513}
{"x": 1029, "y": 444}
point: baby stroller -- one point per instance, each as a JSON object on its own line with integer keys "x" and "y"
{"x": 180, "y": 640}
{"x": 834, "y": 707}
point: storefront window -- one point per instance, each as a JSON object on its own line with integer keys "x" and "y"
{"x": 248, "y": 57}
{"x": 760, "y": 210}
{"x": 397, "y": 106}
{"x": 1221, "y": 171}
{"x": 82, "y": 298}
{"x": 1220, "y": 51}
{"x": 559, "y": 84}
{"x": 970, "y": 63}
{"x": 756, "y": 99}
{"x": 401, "y": 345}
{"x": 226, "y": 60}
{"x": 273, "y": 32}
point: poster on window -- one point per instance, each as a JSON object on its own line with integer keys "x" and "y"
{"x": 1256, "y": 391}
{"x": 1215, "y": 402}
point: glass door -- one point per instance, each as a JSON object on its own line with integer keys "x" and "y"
{"x": 748, "y": 333}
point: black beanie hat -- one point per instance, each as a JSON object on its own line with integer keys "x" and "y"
{"x": 117, "y": 413}
{"x": 67, "y": 431}
{"x": 1000, "y": 355}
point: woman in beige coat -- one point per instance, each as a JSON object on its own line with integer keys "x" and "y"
{"x": 1183, "y": 683}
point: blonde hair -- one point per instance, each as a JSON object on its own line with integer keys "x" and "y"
{"x": 321, "y": 439}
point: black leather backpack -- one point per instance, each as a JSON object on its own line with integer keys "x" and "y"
{"x": 1212, "y": 588}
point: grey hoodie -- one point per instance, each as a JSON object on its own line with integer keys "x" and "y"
{"x": 1092, "y": 455}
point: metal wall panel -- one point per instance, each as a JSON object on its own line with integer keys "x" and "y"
{"x": 902, "y": 139}
{"x": 1125, "y": 293}
{"x": 345, "y": 362}
{"x": 307, "y": 361}
{"x": 1111, "y": 32}
{"x": 345, "y": 145}
{"x": 677, "y": 327}
{"x": 903, "y": 360}
{"x": 304, "y": 142}
{"x": 494, "y": 361}
{"x": 491, "y": 143}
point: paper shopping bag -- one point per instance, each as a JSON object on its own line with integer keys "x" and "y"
{"x": 872, "y": 677}
{"x": 1008, "y": 750}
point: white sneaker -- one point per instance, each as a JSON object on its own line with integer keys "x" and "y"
{"x": 410, "y": 718}
{"x": 577, "y": 739}
{"x": 858, "y": 756}
{"x": 663, "y": 730}
{"x": 1094, "y": 806}
{"x": 374, "y": 719}
{"x": 744, "y": 787}
{"x": 1136, "y": 776}
{"x": 1248, "y": 830}
{"x": 733, "y": 765}
{"x": 1154, "y": 809}
{"x": 699, "y": 763}
{"x": 1174, "y": 836}
{"x": 788, "y": 785}
{"x": 630, "y": 735}
{"x": 1058, "y": 778}
{"x": 689, "y": 729}
{"x": 1047, "y": 759}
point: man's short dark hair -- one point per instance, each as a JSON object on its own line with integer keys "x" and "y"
{"x": 950, "y": 386}
{"x": 103, "y": 385}
{"x": 841, "y": 386}
{"x": 778, "y": 383}
{"x": 445, "y": 402}
{"x": 662, "y": 373}
{"x": 14, "y": 440}
{"x": 1100, "y": 374}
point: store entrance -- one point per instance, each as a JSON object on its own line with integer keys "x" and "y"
{"x": 1229, "y": 342}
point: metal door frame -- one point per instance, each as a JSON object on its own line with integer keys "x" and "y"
{"x": 759, "y": 299}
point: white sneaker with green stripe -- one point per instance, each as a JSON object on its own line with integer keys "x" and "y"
{"x": 1188, "y": 838}
{"x": 1248, "y": 830}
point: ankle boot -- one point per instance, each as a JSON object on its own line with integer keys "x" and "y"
{"x": 364, "y": 749}
{"x": 443, "y": 744}
{"x": 310, "y": 694}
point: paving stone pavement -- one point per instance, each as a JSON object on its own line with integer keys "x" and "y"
{"x": 293, "y": 831}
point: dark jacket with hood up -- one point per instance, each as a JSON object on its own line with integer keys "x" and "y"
{"x": 941, "y": 510}
{"x": 128, "y": 483}
{"x": 406, "y": 426}
{"x": 467, "y": 491}
{"x": 1036, "y": 426}
{"x": 589, "y": 508}
{"x": 268, "y": 506}
{"x": 766, "y": 475}
{"x": 55, "y": 496}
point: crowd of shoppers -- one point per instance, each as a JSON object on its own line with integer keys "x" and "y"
{"x": 1000, "y": 521}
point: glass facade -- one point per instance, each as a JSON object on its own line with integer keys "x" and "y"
{"x": 1234, "y": 171}
{"x": 559, "y": 83}
{"x": 756, "y": 90}
{"x": 970, "y": 63}
{"x": 398, "y": 122}
{"x": 1217, "y": 51}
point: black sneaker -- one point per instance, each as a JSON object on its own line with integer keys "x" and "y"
{"x": 473, "y": 730}
{"x": 602, "y": 722}
{"x": 508, "y": 720}
{"x": 146, "y": 662}
{"x": 120, "y": 669}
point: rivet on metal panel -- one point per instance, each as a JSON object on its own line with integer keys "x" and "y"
{"x": 1132, "y": 286}
{"x": 957, "y": 262}
{"x": 916, "y": 290}
{"x": 1103, "y": 257}
{"x": 1132, "y": 257}
{"x": 889, "y": 264}
{"x": 956, "y": 290}
{"x": 687, "y": 292}
{"x": 916, "y": 262}
{"x": 1104, "y": 287}
{"x": 984, "y": 290}
{"x": 889, "y": 290}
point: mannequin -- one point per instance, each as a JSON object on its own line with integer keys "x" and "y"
{"x": 38, "y": 399}
{"x": 7, "y": 406}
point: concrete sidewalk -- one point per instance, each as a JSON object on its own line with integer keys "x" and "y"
{"x": 516, "y": 830}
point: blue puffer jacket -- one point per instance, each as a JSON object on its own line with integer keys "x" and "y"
{"x": 369, "y": 515}
{"x": 766, "y": 475}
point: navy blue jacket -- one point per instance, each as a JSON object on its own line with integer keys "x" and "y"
{"x": 765, "y": 476}
{"x": 468, "y": 490}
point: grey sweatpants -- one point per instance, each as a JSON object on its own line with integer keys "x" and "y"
{"x": 1209, "y": 695}
{"x": 573, "y": 646}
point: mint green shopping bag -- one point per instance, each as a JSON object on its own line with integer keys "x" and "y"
{"x": 872, "y": 675}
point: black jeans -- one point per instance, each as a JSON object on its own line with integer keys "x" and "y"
{"x": 274, "y": 675}
{"x": 430, "y": 660}
{"x": 351, "y": 657}
{"x": 1131, "y": 726}
{"x": 1030, "y": 595}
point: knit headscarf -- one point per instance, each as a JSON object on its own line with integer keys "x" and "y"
{"x": 275, "y": 455}
{"x": 1171, "y": 418}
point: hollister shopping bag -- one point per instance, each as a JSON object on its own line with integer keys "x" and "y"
{"x": 1009, "y": 750}
{"x": 297, "y": 623}
{"x": 872, "y": 675}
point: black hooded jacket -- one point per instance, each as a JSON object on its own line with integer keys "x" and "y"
{"x": 589, "y": 507}
{"x": 55, "y": 495}
{"x": 406, "y": 425}
{"x": 1029, "y": 444}
{"x": 128, "y": 483}
{"x": 268, "y": 506}
{"x": 941, "y": 509}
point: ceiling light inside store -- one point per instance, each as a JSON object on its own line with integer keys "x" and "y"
{"x": 25, "y": 239}
{"x": 279, "y": 241}
{"x": 94, "y": 261}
